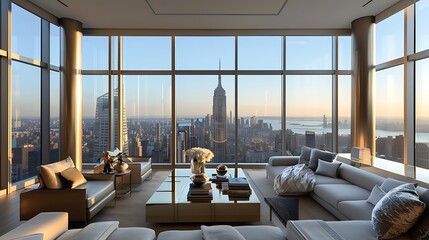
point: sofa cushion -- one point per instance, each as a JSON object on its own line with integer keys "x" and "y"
{"x": 397, "y": 211}
{"x": 140, "y": 233}
{"x": 96, "y": 190}
{"x": 37, "y": 236}
{"x": 335, "y": 193}
{"x": 73, "y": 177}
{"x": 50, "y": 173}
{"x": 317, "y": 154}
{"x": 261, "y": 232}
{"x": 305, "y": 155}
{"x": 218, "y": 232}
{"x": 420, "y": 230}
{"x": 356, "y": 210}
{"x": 356, "y": 175}
{"x": 353, "y": 230}
{"x": 97, "y": 230}
{"x": 329, "y": 180}
{"x": 328, "y": 169}
{"x": 376, "y": 195}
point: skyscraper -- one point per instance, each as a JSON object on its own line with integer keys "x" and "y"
{"x": 101, "y": 126}
{"x": 219, "y": 123}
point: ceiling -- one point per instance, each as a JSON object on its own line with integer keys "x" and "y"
{"x": 214, "y": 14}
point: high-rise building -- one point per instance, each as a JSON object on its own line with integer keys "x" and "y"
{"x": 219, "y": 123}
{"x": 310, "y": 139}
{"x": 101, "y": 125}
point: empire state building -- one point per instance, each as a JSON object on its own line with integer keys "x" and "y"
{"x": 219, "y": 125}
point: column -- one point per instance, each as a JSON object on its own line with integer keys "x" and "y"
{"x": 71, "y": 91}
{"x": 363, "y": 117}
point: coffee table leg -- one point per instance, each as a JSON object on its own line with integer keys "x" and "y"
{"x": 271, "y": 214}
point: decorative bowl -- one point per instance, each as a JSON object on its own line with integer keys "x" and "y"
{"x": 221, "y": 169}
{"x": 200, "y": 178}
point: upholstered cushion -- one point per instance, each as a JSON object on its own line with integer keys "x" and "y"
{"x": 335, "y": 193}
{"x": 328, "y": 180}
{"x": 140, "y": 233}
{"x": 420, "y": 230}
{"x": 328, "y": 169}
{"x": 317, "y": 154}
{"x": 389, "y": 184}
{"x": 37, "y": 236}
{"x": 97, "y": 230}
{"x": 356, "y": 209}
{"x": 96, "y": 190}
{"x": 376, "y": 195}
{"x": 50, "y": 173}
{"x": 305, "y": 155}
{"x": 218, "y": 232}
{"x": 73, "y": 177}
{"x": 397, "y": 212}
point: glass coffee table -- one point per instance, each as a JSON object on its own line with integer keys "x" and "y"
{"x": 169, "y": 204}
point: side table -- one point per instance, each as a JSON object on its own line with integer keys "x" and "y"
{"x": 122, "y": 188}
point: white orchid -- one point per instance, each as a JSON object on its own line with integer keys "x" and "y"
{"x": 201, "y": 154}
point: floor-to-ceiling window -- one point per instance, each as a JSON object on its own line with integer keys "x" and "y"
{"x": 344, "y": 92}
{"x": 35, "y": 74}
{"x": 389, "y": 89}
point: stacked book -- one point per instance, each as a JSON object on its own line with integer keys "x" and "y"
{"x": 200, "y": 193}
{"x": 237, "y": 188}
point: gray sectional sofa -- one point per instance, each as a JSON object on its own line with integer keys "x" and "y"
{"x": 345, "y": 196}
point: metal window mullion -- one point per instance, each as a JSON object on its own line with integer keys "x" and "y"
{"x": 283, "y": 94}
{"x": 335, "y": 96}
{"x": 6, "y": 96}
{"x": 110, "y": 98}
{"x": 236, "y": 105}
{"x": 45, "y": 94}
{"x": 120, "y": 96}
{"x": 173, "y": 105}
{"x": 409, "y": 93}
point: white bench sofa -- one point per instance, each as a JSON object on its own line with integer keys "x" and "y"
{"x": 54, "y": 225}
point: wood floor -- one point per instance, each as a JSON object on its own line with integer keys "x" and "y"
{"x": 130, "y": 211}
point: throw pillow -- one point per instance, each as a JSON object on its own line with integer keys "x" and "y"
{"x": 376, "y": 195}
{"x": 390, "y": 183}
{"x": 50, "y": 173}
{"x": 420, "y": 231}
{"x": 317, "y": 154}
{"x": 73, "y": 177}
{"x": 328, "y": 169}
{"x": 397, "y": 212}
{"x": 304, "y": 158}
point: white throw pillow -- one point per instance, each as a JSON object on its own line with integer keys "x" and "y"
{"x": 328, "y": 169}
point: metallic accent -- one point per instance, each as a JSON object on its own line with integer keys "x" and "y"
{"x": 71, "y": 91}
{"x": 389, "y": 64}
{"x": 363, "y": 122}
{"x": 419, "y": 56}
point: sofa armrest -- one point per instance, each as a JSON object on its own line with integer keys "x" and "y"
{"x": 99, "y": 177}
{"x": 283, "y": 160}
{"x": 35, "y": 201}
{"x": 50, "y": 224}
{"x": 141, "y": 159}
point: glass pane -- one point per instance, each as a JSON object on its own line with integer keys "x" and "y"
{"x": 260, "y": 53}
{"x": 309, "y": 53}
{"x": 205, "y": 105}
{"x": 95, "y": 55}
{"x": 259, "y": 118}
{"x": 422, "y": 120}
{"x": 95, "y": 119}
{"x": 115, "y": 52}
{"x": 54, "y": 117}
{"x": 26, "y": 33}
{"x": 344, "y": 53}
{"x": 308, "y": 112}
{"x": 422, "y": 31}
{"x": 25, "y": 121}
{"x": 389, "y": 114}
{"x": 344, "y": 113}
{"x": 55, "y": 44}
{"x": 147, "y": 53}
{"x": 389, "y": 38}
{"x": 204, "y": 53}
{"x": 148, "y": 109}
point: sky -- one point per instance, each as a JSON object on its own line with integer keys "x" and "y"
{"x": 258, "y": 95}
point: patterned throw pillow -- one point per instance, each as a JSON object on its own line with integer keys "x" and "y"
{"x": 397, "y": 212}
{"x": 420, "y": 231}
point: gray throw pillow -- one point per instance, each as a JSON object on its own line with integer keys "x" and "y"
{"x": 328, "y": 169}
{"x": 317, "y": 154}
{"x": 390, "y": 183}
{"x": 376, "y": 195}
{"x": 420, "y": 231}
{"x": 397, "y": 212}
{"x": 304, "y": 158}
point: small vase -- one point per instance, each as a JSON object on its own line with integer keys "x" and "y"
{"x": 121, "y": 166}
{"x": 197, "y": 167}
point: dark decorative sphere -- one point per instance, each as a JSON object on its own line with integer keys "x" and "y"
{"x": 221, "y": 169}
